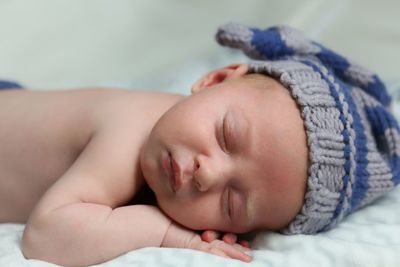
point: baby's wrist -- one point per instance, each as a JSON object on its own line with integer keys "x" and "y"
{"x": 177, "y": 236}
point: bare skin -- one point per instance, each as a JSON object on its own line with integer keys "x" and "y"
{"x": 28, "y": 142}
{"x": 72, "y": 161}
{"x": 75, "y": 154}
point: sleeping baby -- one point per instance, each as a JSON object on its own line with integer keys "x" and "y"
{"x": 292, "y": 141}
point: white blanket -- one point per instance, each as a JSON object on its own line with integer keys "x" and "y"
{"x": 369, "y": 237}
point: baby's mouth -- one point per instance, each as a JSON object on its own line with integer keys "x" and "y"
{"x": 173, "y": 172}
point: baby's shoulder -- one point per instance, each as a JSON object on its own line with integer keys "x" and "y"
{"x": 130, "y": 111}
{"x": 121, "y": 122}
{"x": 68, "y": 119}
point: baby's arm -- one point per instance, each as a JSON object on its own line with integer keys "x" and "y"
{"x": 83, "y": 233}
{"x": 78, "y": 221}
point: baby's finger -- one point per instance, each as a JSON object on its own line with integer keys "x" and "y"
{"x": 210, "y": 235}
{"x": 229, "y": 238}
{"x": 244, "y": 243}
{"x": 242, "y": 248}
{"x": 234, "y": 252}
{"x": 218, "y": 252}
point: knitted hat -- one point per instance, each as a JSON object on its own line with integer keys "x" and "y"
{"x": 353, "y": 139}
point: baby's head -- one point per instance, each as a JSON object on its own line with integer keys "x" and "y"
{"x": 238, "y": 149}
{"x": 293, "y": 142}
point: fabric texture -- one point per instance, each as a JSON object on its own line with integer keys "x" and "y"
{"x": 9, "y": 85}
{"x": 353, "y": 138}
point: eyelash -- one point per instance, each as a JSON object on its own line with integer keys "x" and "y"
{"x": 224, "y": 138}
{"x": 229, "y": 201}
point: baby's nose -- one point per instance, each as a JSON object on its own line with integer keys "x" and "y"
{"x": 208, "y": 173}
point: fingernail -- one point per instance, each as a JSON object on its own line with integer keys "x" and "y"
{"x": 249, "y": 258}
{"x": 248, "y": 253}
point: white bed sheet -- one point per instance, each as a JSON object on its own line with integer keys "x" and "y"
{"x": 370, "y": 237}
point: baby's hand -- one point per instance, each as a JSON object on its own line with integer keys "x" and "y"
{"x": 230, "y": 238}
{"x": 220, "y": 248}
{"x": 178, "y": 236}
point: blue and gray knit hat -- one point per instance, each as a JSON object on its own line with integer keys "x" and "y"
{"x": 353, "y": 138}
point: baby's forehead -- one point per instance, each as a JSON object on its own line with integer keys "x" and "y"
{"x": 262, "y": 81}
{"x": 255, "y": 85}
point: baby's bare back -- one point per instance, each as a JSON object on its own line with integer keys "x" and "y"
{"x": 43, "y": 133}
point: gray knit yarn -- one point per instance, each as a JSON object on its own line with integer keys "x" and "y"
{"x": 353, "y": 139}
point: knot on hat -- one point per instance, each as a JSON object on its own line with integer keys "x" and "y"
{"x": 280, "y": 41}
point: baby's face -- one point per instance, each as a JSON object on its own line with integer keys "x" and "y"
{"x": 232, "y": 158}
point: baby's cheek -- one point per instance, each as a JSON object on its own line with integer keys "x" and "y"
{"x": 176, "y": 212}
{"x": 191, "y": 217}
{"x": 194, "y": 210}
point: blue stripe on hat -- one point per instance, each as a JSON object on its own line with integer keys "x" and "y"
{"x": 378, "y": 90}
{"x": 269, "y": 43}
{"x": 339, "y": 65}
{"x": 333, "y": 61}
{"x": 345, "y": 135}
{"x": 381, "y": 121}
{"x": 394, "y": 162}
{"x": 360, "y": 185}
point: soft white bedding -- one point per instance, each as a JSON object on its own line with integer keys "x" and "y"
{"x": 370, "y": 237}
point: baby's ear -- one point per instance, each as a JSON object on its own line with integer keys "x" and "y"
{"x": 219, "y": 75}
